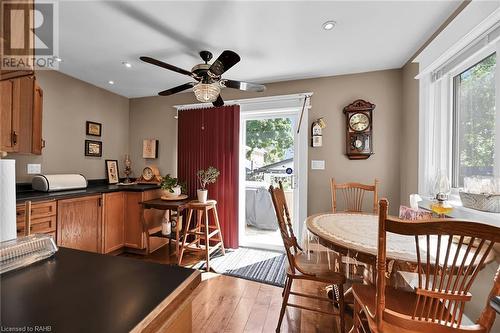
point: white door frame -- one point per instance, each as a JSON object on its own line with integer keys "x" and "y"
{"x": 301, "y": 140}
{"x": 293, "y": 103}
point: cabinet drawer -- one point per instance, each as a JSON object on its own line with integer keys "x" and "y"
{"x": 42, "y": 209}
{"x": 40, "y": 225}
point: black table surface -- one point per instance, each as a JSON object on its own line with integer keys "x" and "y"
{"x": 164, "y": 204}
{"x": 90, "y": 190}
{"x": 77, "y": 291}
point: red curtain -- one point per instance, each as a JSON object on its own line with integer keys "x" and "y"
{"x": 210, "y": 137}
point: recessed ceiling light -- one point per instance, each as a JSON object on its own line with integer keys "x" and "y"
{"x": 57, "y": 59}
{"x": 329, "y": 25}
{"x": 111, "y": 82}
{"x": 126, "y": 64}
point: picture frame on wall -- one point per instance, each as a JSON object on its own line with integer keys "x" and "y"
{"x": 150, "y": 148}
{"x": 93, "y": 128}
{"x": 93, "y": 148}
{"x": 112, "y": 172}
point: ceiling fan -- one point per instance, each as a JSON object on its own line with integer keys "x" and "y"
{"x": 208, "y": 77}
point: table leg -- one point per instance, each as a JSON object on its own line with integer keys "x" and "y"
{"x": 145, "y": 229}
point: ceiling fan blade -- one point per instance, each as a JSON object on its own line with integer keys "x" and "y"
{"x": 218, "y": 102}
{"x": 167, "y": 66}
{"x": 246, "y": 86}
{"x": 177, "y": 89}
{"x": 226, "y": 60}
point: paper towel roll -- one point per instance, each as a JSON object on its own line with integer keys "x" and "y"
{"x": 7, "y": 199}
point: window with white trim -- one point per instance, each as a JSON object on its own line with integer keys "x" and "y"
{"x": 474, "y": 114}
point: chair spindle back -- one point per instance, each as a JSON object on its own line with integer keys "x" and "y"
{"x": 285, "y": 224}
{"x": 353, "y": 195}
{"x": 449, "y": 254}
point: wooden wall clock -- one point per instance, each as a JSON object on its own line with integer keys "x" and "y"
{"x": 359, "y": 129}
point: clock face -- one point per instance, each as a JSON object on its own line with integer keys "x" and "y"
{"x": 359, "y": 122}
{"x": 147, "y": 173}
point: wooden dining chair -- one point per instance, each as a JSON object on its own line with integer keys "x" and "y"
{"x": 301, "y": 266}
{"x": 353, "y": 195}
{"x": 446, "y": 268}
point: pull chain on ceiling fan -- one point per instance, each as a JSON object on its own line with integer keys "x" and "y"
{"x": 208, "y": 83}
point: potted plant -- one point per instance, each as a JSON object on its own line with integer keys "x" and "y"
{"x": 171, "y": 186}
{"x": 208, "y": 176}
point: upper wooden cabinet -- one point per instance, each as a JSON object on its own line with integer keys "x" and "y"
{"x": 21, "y": 116}
{"x": 79, "y": 223}
{"x": 113, "y": 221}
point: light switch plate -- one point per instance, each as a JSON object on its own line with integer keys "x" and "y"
{"x": 34, "y": 169}
{"x": 317, "y": 164}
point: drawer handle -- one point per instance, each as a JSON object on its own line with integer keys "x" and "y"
{"x": 14, "y": 138}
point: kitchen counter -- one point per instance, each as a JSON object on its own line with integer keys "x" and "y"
{"x": 77, "y": 291}
{"x": 22, "y": 196}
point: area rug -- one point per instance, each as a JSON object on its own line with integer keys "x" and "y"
{"x": 251, "y": 264}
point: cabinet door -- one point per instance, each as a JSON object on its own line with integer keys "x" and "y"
{"x": 9, "y": 116}
{"x": 113, "y": 221}
{"x": 26, "y": 87}
{"x": 79, "y": 223}
{"x": 133, "y": 226}
{"x": 37, "y": 140}
{"x": 134, "y": 236}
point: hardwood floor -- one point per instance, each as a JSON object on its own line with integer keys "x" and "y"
{"x": 228, "y": 304}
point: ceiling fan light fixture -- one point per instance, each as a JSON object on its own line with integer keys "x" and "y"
{"x": 206, "y": 92}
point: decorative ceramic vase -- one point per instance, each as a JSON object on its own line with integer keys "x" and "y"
{"x": 202, "y": 195}
{"x": 176, "y": 193}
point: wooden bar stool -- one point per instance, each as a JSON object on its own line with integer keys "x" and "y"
{"x": 202, "y": 230}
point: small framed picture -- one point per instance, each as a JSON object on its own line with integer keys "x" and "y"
{"x": 112, "y": 171}
{"x": 150, "y": 148}
{"x": 92, "y": 128}
{"x": 93, "y": 148}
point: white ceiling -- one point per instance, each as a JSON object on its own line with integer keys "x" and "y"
{"x": 276, "y": 40}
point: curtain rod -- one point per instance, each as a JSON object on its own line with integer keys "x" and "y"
{"x": 245, "y": 101}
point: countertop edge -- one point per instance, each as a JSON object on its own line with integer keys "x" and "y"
{"x": 156, "y": 318}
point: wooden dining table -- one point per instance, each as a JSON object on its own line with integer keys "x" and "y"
{"x": 355, "y": 235}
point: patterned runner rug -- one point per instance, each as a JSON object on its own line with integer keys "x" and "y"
{"x": 251, "y": 264}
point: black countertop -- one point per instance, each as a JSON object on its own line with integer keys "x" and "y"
{"x": 77, "y": 291}
{"x": 22, "y": 196}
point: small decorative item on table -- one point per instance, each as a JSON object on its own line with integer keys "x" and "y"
{"x": 481, "y": 193}
{"x": 442, "y": 189}
{"x": 208, "y": 176}
{"x": 93, "y": 148}
{"x": 112, "y": 171}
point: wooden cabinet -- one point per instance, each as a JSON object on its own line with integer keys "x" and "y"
{"x": 134, "y": 236}
{"x": 21, "y": 115}
{"x": 79, "y": 223}
{"x": 113, "y": 221}
{"x": 43, "y": 218}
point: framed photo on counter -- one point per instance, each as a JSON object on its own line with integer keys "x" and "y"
{"x": 112, "y": 171}
{"x": 93, "y": 148}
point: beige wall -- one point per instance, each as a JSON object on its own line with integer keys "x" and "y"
{"x": 409, "y": 133}
{"x": 67, "y": 104}
{"x": 154, "y": 117}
